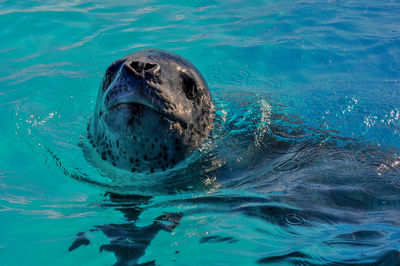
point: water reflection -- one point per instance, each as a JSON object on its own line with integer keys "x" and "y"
{"x": 127, "y": 241}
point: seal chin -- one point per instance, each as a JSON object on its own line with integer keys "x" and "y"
{"x": 140, "y": 139}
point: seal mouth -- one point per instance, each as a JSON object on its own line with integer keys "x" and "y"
{"x": 135, "y": 104}
{"x": 167, "y": 115}
{"x": 115, "y": 106}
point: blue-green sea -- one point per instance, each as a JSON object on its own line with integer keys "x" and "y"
{"x": 302, "y": 166}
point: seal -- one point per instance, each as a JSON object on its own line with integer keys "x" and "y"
{"x": 153, "y": 110}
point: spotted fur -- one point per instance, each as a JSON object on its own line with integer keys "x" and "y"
{"x": 153, "y": 110}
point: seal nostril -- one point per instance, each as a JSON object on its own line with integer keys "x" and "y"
{"x": 135, "y": 66}
{"x": 141, "y": 67}
{"x": 149, "y": 66}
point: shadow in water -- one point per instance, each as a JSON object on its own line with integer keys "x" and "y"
{"x": 127, "y": 241}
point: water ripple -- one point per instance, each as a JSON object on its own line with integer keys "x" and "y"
{"x": 302, "y": 166}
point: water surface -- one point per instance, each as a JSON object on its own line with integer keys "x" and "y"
{"x": 302, "y": 166}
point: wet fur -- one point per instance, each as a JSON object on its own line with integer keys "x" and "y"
{"x": 153, "y": 110}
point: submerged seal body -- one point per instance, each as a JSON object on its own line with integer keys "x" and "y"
{"x": 153, "y": 110}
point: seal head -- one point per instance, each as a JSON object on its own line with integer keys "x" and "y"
{"x": 153, "y": 110}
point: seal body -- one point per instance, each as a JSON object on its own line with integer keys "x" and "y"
{"x": 153, "y": 110}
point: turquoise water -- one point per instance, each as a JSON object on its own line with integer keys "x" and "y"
{"x": 302, "y": 166}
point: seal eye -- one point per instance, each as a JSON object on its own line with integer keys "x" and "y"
{"x": 107, "y": 79}
{"x": 189, "y": 87}
{"x": 111, "y": 72}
